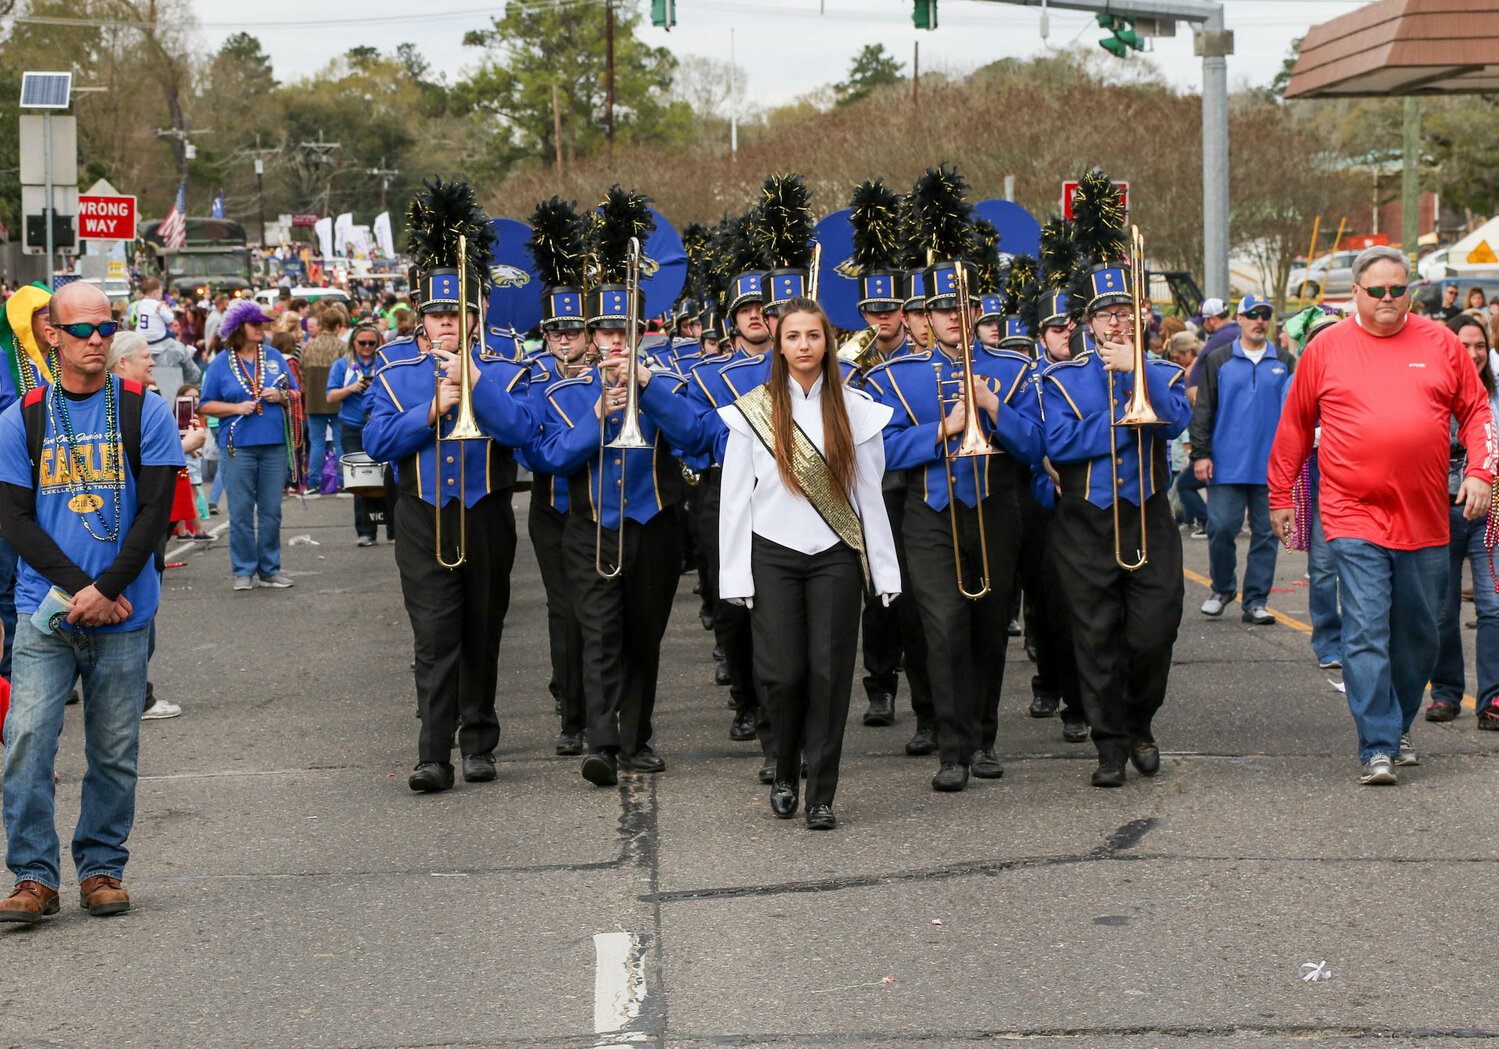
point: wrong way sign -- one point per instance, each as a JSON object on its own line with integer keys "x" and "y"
{"x": 106, "y": 218}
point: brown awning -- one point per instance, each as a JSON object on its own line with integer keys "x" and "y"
{"x": 1402, "y": 47}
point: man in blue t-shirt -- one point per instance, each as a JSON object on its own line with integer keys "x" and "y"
{"x": 86, "y": 519}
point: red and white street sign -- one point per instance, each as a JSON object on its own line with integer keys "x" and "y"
{"x": 106, "y": 218}
{"x": 1069, "y": 190}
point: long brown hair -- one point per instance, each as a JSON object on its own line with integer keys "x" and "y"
{"x": 837, "y": 439}
{"x": 1485, "y": 372}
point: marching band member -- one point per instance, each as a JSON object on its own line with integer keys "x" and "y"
{"x": 557, "y": 248}
{"x": 1043, "y": 310}
{"x": 1124, "y": 622}
{"x": 802, "y": 529}
{"x": 965, "y": 649}
{"x": 621, "y": 519}
{"x": 457, "y": 614}
{"x": 891, "y": 633}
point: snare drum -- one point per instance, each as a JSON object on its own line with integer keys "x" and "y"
{"x": 362, "y": 475}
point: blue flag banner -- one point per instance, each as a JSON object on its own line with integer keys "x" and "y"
{"x": 837, "y": 278}
{"x": 663, "y": 267}
{"x": 515, "y": 299}
{"x": 1019, "y": 233}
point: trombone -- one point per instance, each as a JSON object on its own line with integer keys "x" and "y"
{"x": 465, "y": 427}
{"x": 1138, "y": 413}
{"x": 973, "y": 445}
{"x": 629, "y": 435}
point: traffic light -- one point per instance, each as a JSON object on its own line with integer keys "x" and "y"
{"x": 1125, "y": 38}
{"x": 664, "y": 13}
{"x": 925, "y": 14}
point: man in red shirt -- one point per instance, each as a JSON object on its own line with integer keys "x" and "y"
{"x": 1383, "y": 385}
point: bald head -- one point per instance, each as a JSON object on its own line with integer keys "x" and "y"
{"x": 76, "y": 297}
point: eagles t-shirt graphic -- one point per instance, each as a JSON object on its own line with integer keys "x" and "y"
{"x": 72, "y": 495}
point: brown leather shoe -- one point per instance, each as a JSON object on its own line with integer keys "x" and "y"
{"x": 28, "y": 902}
{"x": 102, "y": 895}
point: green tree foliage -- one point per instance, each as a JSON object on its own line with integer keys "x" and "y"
{"x": 532, "y": 49}
{"x": 1461, "y": 137}
{"x": 872, "y": 68}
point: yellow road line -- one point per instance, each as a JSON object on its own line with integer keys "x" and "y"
{"x": 1471, "y": 702}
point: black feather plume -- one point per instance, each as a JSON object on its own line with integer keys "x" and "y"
{"x": 1098, "y": 218}
{"x": 875, "y": 215}
{"x": 439, "y": 214}
{"x": 939, "y": 219}
{"x": 1058, "y": 253}
{"x": 556, "y": 242}
{"x": 1030, "y": 306}
{"x": 1023, "y": 270}
{"x": 695, "y": 242}
{"x": 619, "y": 217}
{"x": 985, "y": 255}
{"x": 783, "y": 227}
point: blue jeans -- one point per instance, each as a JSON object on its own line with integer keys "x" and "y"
{"x": 254, "y": 477}
{"x": 1189, "y": 491}
{"x": 8, "y": 559}
{"x": 1448, "y": 678}
{"x": 318, "y": 427}
{"x": 1227, "y": 504}
{"x": 114, "y": 689}
{"x": 1322, "y": 600}
{"x": 1391, "y": 600}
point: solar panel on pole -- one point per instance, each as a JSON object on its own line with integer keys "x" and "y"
{"x": 46, "y": 90}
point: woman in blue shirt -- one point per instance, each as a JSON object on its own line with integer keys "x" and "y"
{"x": 248, "y": 387}
{"x": 348, "y": 378}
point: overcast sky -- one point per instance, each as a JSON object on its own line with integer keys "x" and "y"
{"x": 786, "y": 46}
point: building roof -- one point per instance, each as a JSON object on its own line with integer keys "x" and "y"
{"x": 1402, "y": 47}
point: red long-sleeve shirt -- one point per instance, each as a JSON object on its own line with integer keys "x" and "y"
{"x": 1384, "y": 405}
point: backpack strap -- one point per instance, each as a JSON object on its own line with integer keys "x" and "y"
{"x": 34, "y": 414}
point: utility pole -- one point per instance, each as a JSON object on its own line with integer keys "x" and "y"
{"x": 322, "y": 150}
{"x": 386, "y": 174}
{"x": 915, "y": 74}
{"x": 1410, "y": 180}
{"x": 260, "y": 154}
{"x": 557, "y": 130}
{"x": 609, "y": 72}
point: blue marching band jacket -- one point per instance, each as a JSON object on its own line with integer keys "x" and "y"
{"x": 545, "y": 370}
{"x": 1078, "y": 420}
{"x": 398, "y": 431}
{"x": 921, "y": 388}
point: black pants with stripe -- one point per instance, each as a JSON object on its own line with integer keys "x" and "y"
{"x": 564, "y": 632}
{"x": 1124, "y": 624}
{"x": 806, "y": 641}
{"x": 731, "y": 623}
{"x": 894, "y": 633}
{"x": 623, "y": 620}
{"x": 457, "y": 615}
{"x": 1046, "y": 620}
{"x": 965, "y": 639}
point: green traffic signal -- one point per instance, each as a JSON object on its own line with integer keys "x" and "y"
{"x": 1114, "y": 46}
{"x": 924, "y": 16}
{"x": 1125, "y": 38}
{"x": 663, "y": 13}
{"x": 1126, "y": 33}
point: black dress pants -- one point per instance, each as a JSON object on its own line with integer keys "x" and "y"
{"x": 894, "y": 632}
{"x": 1124, "y": 624}
{"x": 564, "y": 632}
{"x": 806, "y": 607}
{"x": 1046, "y": 621}
{"x": 623, "y": 620}
{"x": 731, "y": 623}
{"x": 457, "y": 615}
{"x": 965, "y": 639}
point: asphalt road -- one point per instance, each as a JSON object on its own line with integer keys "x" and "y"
{"x": 290, "y": 891}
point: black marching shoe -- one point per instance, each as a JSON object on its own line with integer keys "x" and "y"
{"x": 986, "y": 764}
{"x": 601, "y": 768}
{"x": 1109, "y": 774}
{"x": 705, "y": 618}
{"x": 479, "y": 768}
{"x": 721, "y": 676}
{"x": 742, "y": 728}
{"x": 1044, "y": 706}
{"x": 767, "y": 773}
{"x": 881, "y": 710}
{"x": 569, "y": 744}
{"x": 556, "y": 706}
{"x": 643, "y": 760}
{"x": 783, "y": 800}
{"x": 431, "y": 776}
{"x": 924, "y": 742}
{"x": 950, "y": 777}
{"x": 1145, "y": 756}
{"x": 1031, "y": 652}
{"x": 1015, "y": 628}
{"x": 1075, "y": 731}
{"x": 820, "y": 817}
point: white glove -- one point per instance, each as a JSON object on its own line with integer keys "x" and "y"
{"x": 742, "y": 602}
{"x": 885, "y": 599}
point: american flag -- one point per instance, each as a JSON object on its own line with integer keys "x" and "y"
{"x": 174, "y": 226}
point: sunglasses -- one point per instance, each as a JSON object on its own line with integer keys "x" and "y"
{"x": 1260, "y": 315}
{"x": 1379, "y": 291}
{"x": 86, "y": 331}
{"x": 366, "y": 343}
